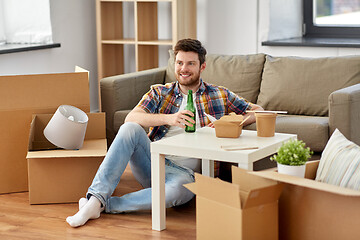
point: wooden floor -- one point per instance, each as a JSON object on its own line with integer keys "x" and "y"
{"x": 20, "y": 220}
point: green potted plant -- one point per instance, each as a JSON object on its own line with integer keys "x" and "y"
{"x": 291, "y": 158}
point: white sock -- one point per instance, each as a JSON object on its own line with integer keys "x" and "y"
{"x": 91, "y": 210}
{"x": 82, "y": 202}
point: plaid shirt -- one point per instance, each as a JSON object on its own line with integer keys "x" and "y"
{"x": 214, "y": 100}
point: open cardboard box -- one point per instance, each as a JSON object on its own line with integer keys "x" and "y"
{"x": 20, "y": 97}
{"x": 247, "y": 208}
{"x": 314, "y": 210}
{"x": 59, "y": 175}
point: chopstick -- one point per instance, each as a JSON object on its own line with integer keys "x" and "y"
{"x": 266, "y": 111}
{"x": 211, "y": 118}
{"x": 238, "y": 147}
{"x": 244, "y": 120}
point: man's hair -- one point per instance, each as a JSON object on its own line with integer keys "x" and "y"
{"x": 191, "y": 45}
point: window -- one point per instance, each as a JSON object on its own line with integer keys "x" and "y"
{"x": 319, "y": 23}
{"x": 332, "y": 18}
{"x": 25, "y": 25}
{"x": 26, "y": 21}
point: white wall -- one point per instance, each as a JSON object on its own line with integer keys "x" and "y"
{"x": 225, "y": 27}
{"x": 73, "y": 25}
{"x": 228, "y": 26}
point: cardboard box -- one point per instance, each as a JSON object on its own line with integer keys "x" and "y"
{"x": 314, "y": 210}
{"x": 247, "y": 208}
{"x": 229, "y": 126}
{"x": 59, "y": 175}
{"x": 20, "y": 97}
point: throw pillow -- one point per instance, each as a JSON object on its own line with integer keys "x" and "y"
{"x": 340, "y": 162}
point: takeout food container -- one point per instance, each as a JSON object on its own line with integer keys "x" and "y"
{"x": 229, "y": 126}
{"x": 265, "y": 124}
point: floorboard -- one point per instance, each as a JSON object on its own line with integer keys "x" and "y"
{"x": 20, "y": 220}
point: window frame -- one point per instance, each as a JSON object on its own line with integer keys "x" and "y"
{"x": 311, "y": 30}
{"x": 24, "y": 47}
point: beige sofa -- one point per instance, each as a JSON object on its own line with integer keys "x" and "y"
{"x": 320, "y": 94}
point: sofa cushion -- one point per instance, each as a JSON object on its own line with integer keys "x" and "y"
{"x": 314, "y": 131}
{"x": 239, "y": 73}
{"x": 302, "y": 85}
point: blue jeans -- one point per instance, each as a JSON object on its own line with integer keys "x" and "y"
{"x": 132, "y": 144}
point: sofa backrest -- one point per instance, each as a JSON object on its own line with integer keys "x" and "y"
{"x": 303, "y": 85}
{"x": 298, "y": 85}
{"x": 239, "y": 73}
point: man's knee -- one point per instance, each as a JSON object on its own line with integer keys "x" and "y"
{"x": 130, "y": 128}
{"x": 130, "y": 135}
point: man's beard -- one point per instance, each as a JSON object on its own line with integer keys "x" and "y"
{"x": 194, "y": 81}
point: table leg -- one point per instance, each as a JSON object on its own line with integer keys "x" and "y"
{"x": 248, "y": 166}
{"x": 158, "y": 191}
{"x": 207, "y": 167}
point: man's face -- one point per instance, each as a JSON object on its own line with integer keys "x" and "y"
{"x": 188, "y": 69}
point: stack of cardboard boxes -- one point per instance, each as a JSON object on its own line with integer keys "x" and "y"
{"x": 27, "y": 103}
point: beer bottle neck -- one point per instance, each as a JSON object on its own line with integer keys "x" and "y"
{"x": 190, "y": 97}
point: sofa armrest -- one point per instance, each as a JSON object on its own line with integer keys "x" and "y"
{"x": 123, "y": 92}
{"x": 344, "y": 112}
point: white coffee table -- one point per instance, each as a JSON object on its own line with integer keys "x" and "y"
{"x": 205, "y": 145}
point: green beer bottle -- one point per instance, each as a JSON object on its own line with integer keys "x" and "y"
{"x": 190, "y": 107}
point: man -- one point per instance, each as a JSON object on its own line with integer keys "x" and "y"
{"x": 161, "y": 109}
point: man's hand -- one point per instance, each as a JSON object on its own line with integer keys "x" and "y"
{"x": 181, "y": 119}
{"x": 252, "y": 118}
{"x": 145, "y": 119}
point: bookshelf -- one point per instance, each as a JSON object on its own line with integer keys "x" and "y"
{"x": 145, "y": 44}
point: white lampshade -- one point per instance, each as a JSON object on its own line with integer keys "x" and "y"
{"x": 66, "y": 129}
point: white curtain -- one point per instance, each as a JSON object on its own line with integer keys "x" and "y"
{"x": 25, "y": 21}
{"x": 2, "y": 30}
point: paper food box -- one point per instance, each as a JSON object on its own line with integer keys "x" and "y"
{"x": 228, "y": 126}
{"x": 59, "y": 175}
{"x": 314, "y": 210}
{"x": 20, "y": 97}
{"x": 247, "y": 208}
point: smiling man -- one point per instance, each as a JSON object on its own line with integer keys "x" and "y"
{"x": 161, "y": 109}
{"x": 187, "y": 70}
